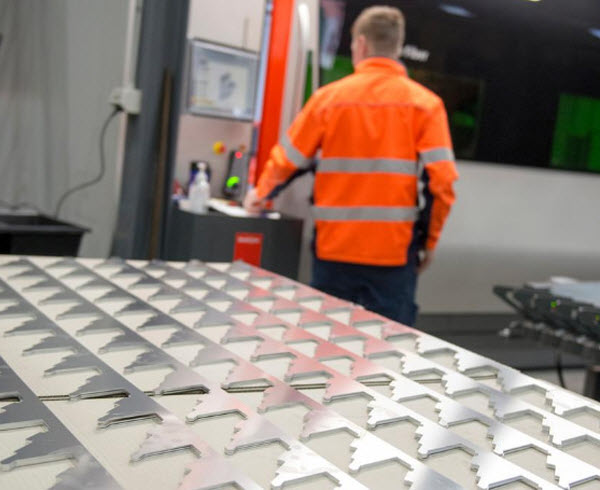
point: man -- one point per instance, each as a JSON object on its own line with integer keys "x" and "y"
{"x": 382, "y": 138}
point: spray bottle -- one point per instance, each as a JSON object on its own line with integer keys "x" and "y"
{"x": 200, "y": 191}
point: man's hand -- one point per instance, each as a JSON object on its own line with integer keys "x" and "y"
{"x": 252, "y": 203}
{"x": 425, "y": 259}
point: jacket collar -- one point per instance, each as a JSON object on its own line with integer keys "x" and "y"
{"x": 380, "y": 64}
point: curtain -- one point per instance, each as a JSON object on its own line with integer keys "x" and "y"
{"x": 59, "y": 60}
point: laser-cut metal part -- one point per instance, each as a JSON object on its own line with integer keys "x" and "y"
{"x": 559, "y": 428}
{"x": 250, "y": 432}
{"x": 239, "y": 333}
{"x": 248, "y": 322}
{"x": 244, "y": 372}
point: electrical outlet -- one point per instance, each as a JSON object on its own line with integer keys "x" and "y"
{"x": 129, "y": 99}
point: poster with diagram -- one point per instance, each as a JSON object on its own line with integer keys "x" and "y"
{"x": 221, "y": 81}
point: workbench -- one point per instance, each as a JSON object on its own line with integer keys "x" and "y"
{"x": 192, "y": 375}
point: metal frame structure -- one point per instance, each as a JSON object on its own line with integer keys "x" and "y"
{"x": 564, "y": 316}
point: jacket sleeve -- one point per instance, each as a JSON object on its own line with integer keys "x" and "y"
{"x": 295, "y": 148}
{"x": 436, "y": 160}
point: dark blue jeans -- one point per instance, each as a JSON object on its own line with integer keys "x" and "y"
{"x": 389, "y": 291}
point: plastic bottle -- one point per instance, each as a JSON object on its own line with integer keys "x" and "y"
{"x": 199, "y": 192}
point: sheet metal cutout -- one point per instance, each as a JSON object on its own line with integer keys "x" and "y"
{"x": 339, "y": 386}
{"x": 569, "y": 471}
{"x": 235, "y": 298}
{"x": 297, "y": 463}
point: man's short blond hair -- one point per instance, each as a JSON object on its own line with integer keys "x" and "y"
{"x": 383, "y": 28}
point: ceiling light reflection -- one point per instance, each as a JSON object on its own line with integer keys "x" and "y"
{"x": 456, "y": 10}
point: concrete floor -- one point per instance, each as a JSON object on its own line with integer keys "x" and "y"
{"x": 479, "y": 333}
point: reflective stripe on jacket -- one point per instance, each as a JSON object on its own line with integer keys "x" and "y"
{"x": 380, "y": 134}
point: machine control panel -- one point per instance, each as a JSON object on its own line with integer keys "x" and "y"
{"x": 236, "y": 179}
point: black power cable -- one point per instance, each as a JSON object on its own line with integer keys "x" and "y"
{"x": 559, "y": 370}
{"x": 99, "y": 177}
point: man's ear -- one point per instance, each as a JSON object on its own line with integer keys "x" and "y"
{"x": 362, "y": 42}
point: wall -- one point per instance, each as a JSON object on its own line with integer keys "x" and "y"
{"x": 235, "y": 23}
{"x": 59, "y": 59}
{"x": 511, "y": 225}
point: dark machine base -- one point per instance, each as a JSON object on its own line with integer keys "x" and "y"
{"x": 211, "y": 238}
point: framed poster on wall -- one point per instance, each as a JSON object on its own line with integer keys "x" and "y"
{"x": 221, "y": 81}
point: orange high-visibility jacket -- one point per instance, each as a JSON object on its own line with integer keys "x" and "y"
{"x": 380, "y": 134}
